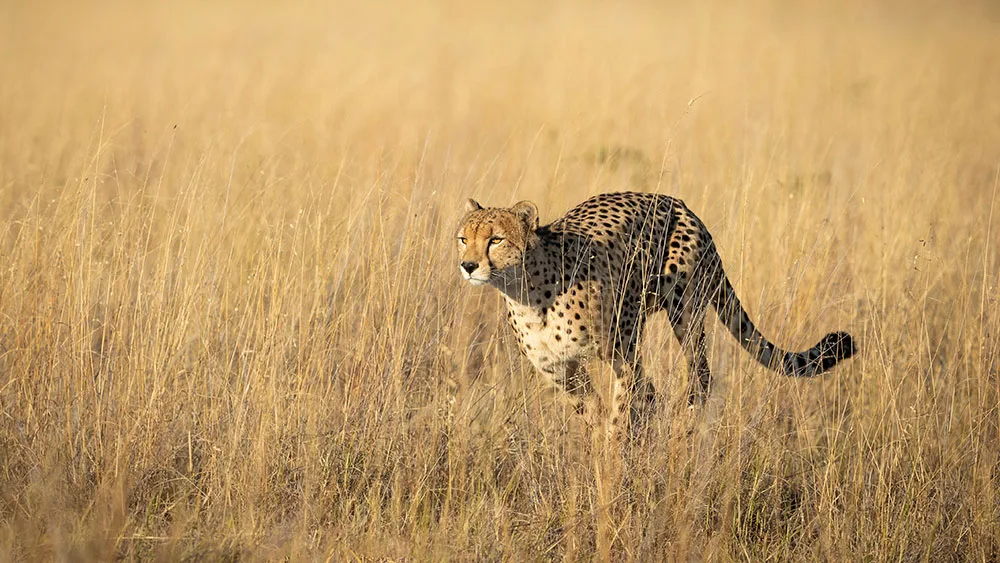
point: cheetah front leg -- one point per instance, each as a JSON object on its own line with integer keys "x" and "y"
{"x": 630, "y": 390}
{"x": 567, "y": 378}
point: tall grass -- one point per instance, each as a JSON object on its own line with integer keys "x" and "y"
{"x": 231, "y": 325}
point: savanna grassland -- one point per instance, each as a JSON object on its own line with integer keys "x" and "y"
{"x": 232, "y": 325}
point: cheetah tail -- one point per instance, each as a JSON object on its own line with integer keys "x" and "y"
{"x": 830, "y": 350}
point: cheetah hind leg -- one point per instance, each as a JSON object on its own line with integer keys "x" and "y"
{"x": 643, "y": 399}
{"x": 688, "y": 321}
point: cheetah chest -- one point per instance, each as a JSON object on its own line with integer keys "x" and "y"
{"x": 552, "y": 330}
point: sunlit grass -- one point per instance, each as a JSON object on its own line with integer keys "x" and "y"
{"x": 231, "y": 324}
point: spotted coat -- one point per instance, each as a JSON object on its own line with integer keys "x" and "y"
{"x": 583, "y": 286}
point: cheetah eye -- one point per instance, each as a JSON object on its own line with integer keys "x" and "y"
{"x": 495, "y": 241}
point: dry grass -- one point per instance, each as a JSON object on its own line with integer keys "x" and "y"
{"x": 231, "y": 326}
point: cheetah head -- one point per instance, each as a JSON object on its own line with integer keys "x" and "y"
{"x": 492, "y": 240}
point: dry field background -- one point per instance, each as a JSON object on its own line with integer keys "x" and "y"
{"x": 232, "y": 327}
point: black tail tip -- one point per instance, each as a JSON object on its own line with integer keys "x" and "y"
{"x": 837, "y": 346}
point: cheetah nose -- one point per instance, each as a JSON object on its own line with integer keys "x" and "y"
{"x": 470, "y": 267}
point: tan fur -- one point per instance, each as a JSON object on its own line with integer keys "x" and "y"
{"x": 495, "y": 239}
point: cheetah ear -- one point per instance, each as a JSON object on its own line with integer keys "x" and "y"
{"x": 472, "y": 205}
{"x": 528, "y": 211}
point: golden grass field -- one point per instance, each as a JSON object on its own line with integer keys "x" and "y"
{"x": 232, "y": 325}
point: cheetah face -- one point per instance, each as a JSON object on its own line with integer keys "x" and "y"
{"x": 492, "y": 241}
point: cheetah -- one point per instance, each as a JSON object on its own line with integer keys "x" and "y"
{"x": 582, "y": 287}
